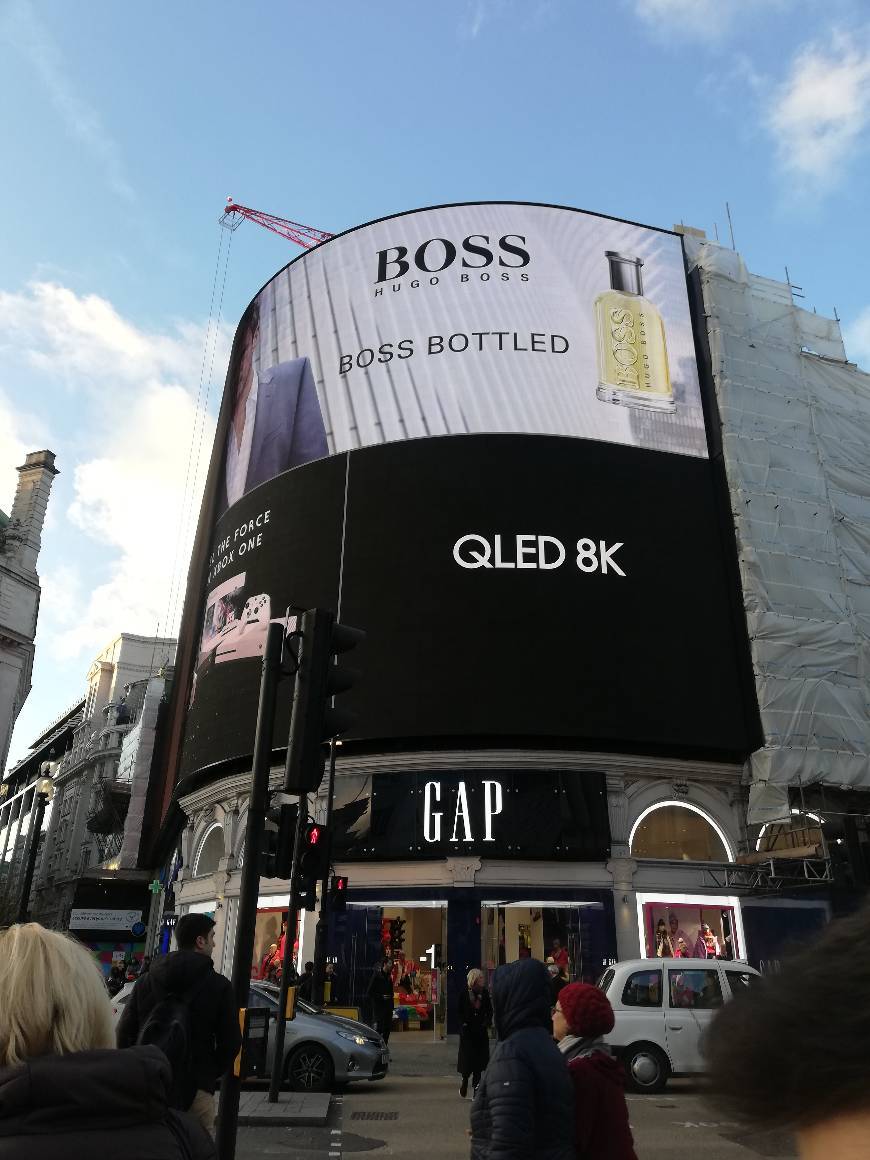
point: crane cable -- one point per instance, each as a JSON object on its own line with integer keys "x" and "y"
{"x": 176, "y": 585}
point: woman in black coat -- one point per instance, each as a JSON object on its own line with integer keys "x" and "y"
{"x": 524, "y": 1107}
{"x": 475, "y": 1018}
{"x": 380, "y": 996}
{"x": 66, "y": 1092}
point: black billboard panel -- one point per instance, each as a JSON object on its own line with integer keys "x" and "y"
{"x": 511, "y": 587}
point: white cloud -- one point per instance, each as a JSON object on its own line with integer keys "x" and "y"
{"x": 20, "y": 432}
{"x": 705, "y": 19}
{"x": 478, "y": 13}
{"x": 22, "y": 28}
{"x": 143, "y": 448}
{"x": 819, "y": 116}
{"x": 86, "y": 341}
{"x": 856, "y": 336}
{"x": 132, "y": 499}
{"x": 12, "y": 450}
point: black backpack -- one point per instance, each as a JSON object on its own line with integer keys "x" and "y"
{"x": 167, "y": 1026}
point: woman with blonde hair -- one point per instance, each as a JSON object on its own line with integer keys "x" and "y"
{"x": 61, "y": 1076}
{"x": 475, "y": 1018}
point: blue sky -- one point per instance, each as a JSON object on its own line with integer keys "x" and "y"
{"x": 125, "y": 127}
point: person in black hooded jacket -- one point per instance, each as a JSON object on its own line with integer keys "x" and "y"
{"x": 66, "y": 1092}
{"x": 524, "y": 1107}
{"x": 214, "y": 1023}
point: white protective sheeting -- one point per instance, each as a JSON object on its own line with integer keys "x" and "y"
{"x": 796, "y": 438}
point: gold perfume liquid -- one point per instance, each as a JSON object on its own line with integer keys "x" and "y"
{"x": 632, "y": 352}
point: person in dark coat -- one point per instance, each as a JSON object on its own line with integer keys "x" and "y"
{"x": 380, "y": 995}
{"x": 306, "y": 983}
{"x": 475, "y": 1018}
{"x": 601, "y": 1129}
{"x": 66, "y": 1092}
{"x": 524, "y": 1108}
{"x": 115, "y": 982}
{"x": 214, "y": 1021}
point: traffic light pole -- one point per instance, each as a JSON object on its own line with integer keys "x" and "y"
{"x": 228, "y": 1111}
{"x": 277, "y": 1073}
{"x": 323, "y": 921}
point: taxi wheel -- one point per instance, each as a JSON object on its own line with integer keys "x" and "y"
{"x": 309, "y": 1069}
{"x": 646, "y": 1068}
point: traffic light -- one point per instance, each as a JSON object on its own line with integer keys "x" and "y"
{"x": 397, "y": 934}
{"x": 318, "y": 679}
{"x": 279, "y": 830}
{"x": 313, "y": 864}
{"x": 337, "y": 894}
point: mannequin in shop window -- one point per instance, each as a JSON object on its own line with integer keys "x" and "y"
{"x": 559, "y": 955}
{"x": 268, "y": 963}
{"x": 707, "y": 945}
{"x": 665, "y": 948}
{"x": 676, "y": 931}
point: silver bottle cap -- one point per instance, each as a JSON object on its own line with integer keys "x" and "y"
{"x": 624, "y": 272}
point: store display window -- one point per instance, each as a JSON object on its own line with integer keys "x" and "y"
{"x": 270, "y": 932}
{"x": 691, "y": 930}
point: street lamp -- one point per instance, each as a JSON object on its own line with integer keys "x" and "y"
{"x": 44, "y": 792}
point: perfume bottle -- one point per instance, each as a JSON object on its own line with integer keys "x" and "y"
{"x": 632, "y": 355}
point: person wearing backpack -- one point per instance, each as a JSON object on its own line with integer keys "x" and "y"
{"x": 188, "y": 1010}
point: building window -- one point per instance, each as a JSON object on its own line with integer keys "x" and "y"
{"x": 803, "y": 832}
{"x": 211, "y": 850}
{"x": 678, "y": 831}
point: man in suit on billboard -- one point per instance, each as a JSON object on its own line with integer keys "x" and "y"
{"x": 275, "y": 422}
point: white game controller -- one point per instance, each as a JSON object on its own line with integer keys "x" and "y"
{"x": 257, "y": 611}
{"x": 247, "y": 635}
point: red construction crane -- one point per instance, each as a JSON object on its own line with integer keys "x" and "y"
{"x": 305, "y": 236}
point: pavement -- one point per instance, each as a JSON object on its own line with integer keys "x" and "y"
{"x": 416, "y": 1113}
{"x": 309, "y": 1109}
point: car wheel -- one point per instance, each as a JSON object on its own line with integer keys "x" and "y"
{"x": 646, "y": 1068}
{"x": 309, "y": 1069}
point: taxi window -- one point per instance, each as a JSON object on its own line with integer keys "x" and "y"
{"x": 695, "y": 990}
{"x": 740, "y": 980}
{"x": 643, "y": 989}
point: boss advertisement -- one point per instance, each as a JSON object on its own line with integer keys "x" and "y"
{"x": 512, "y": 587}
{"x": 488, "y": 318}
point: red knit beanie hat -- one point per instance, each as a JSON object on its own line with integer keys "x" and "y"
{"x": 586, "y": 1009}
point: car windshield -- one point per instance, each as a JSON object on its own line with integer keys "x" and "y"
{"x": 270, "y": 991}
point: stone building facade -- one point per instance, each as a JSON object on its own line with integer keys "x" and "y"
{"x": 101, "y": 781}
{"x": 20, "y": 541}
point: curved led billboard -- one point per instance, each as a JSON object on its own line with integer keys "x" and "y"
{"x": 476, "y": 432}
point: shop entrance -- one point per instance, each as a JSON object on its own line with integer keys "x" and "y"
{"x": 567, "y": 933}
{"x": 413, "y": 936}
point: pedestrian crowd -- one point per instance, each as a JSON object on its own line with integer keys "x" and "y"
{"x": 789, "y": 1053}
{"x": 551, "y": 1090}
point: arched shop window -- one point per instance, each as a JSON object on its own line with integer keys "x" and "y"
{"x": 678, "y": 831}
{"x": 211, "y": 850}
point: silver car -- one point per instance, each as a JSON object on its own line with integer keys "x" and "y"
{"x": 321, "y": 1049}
